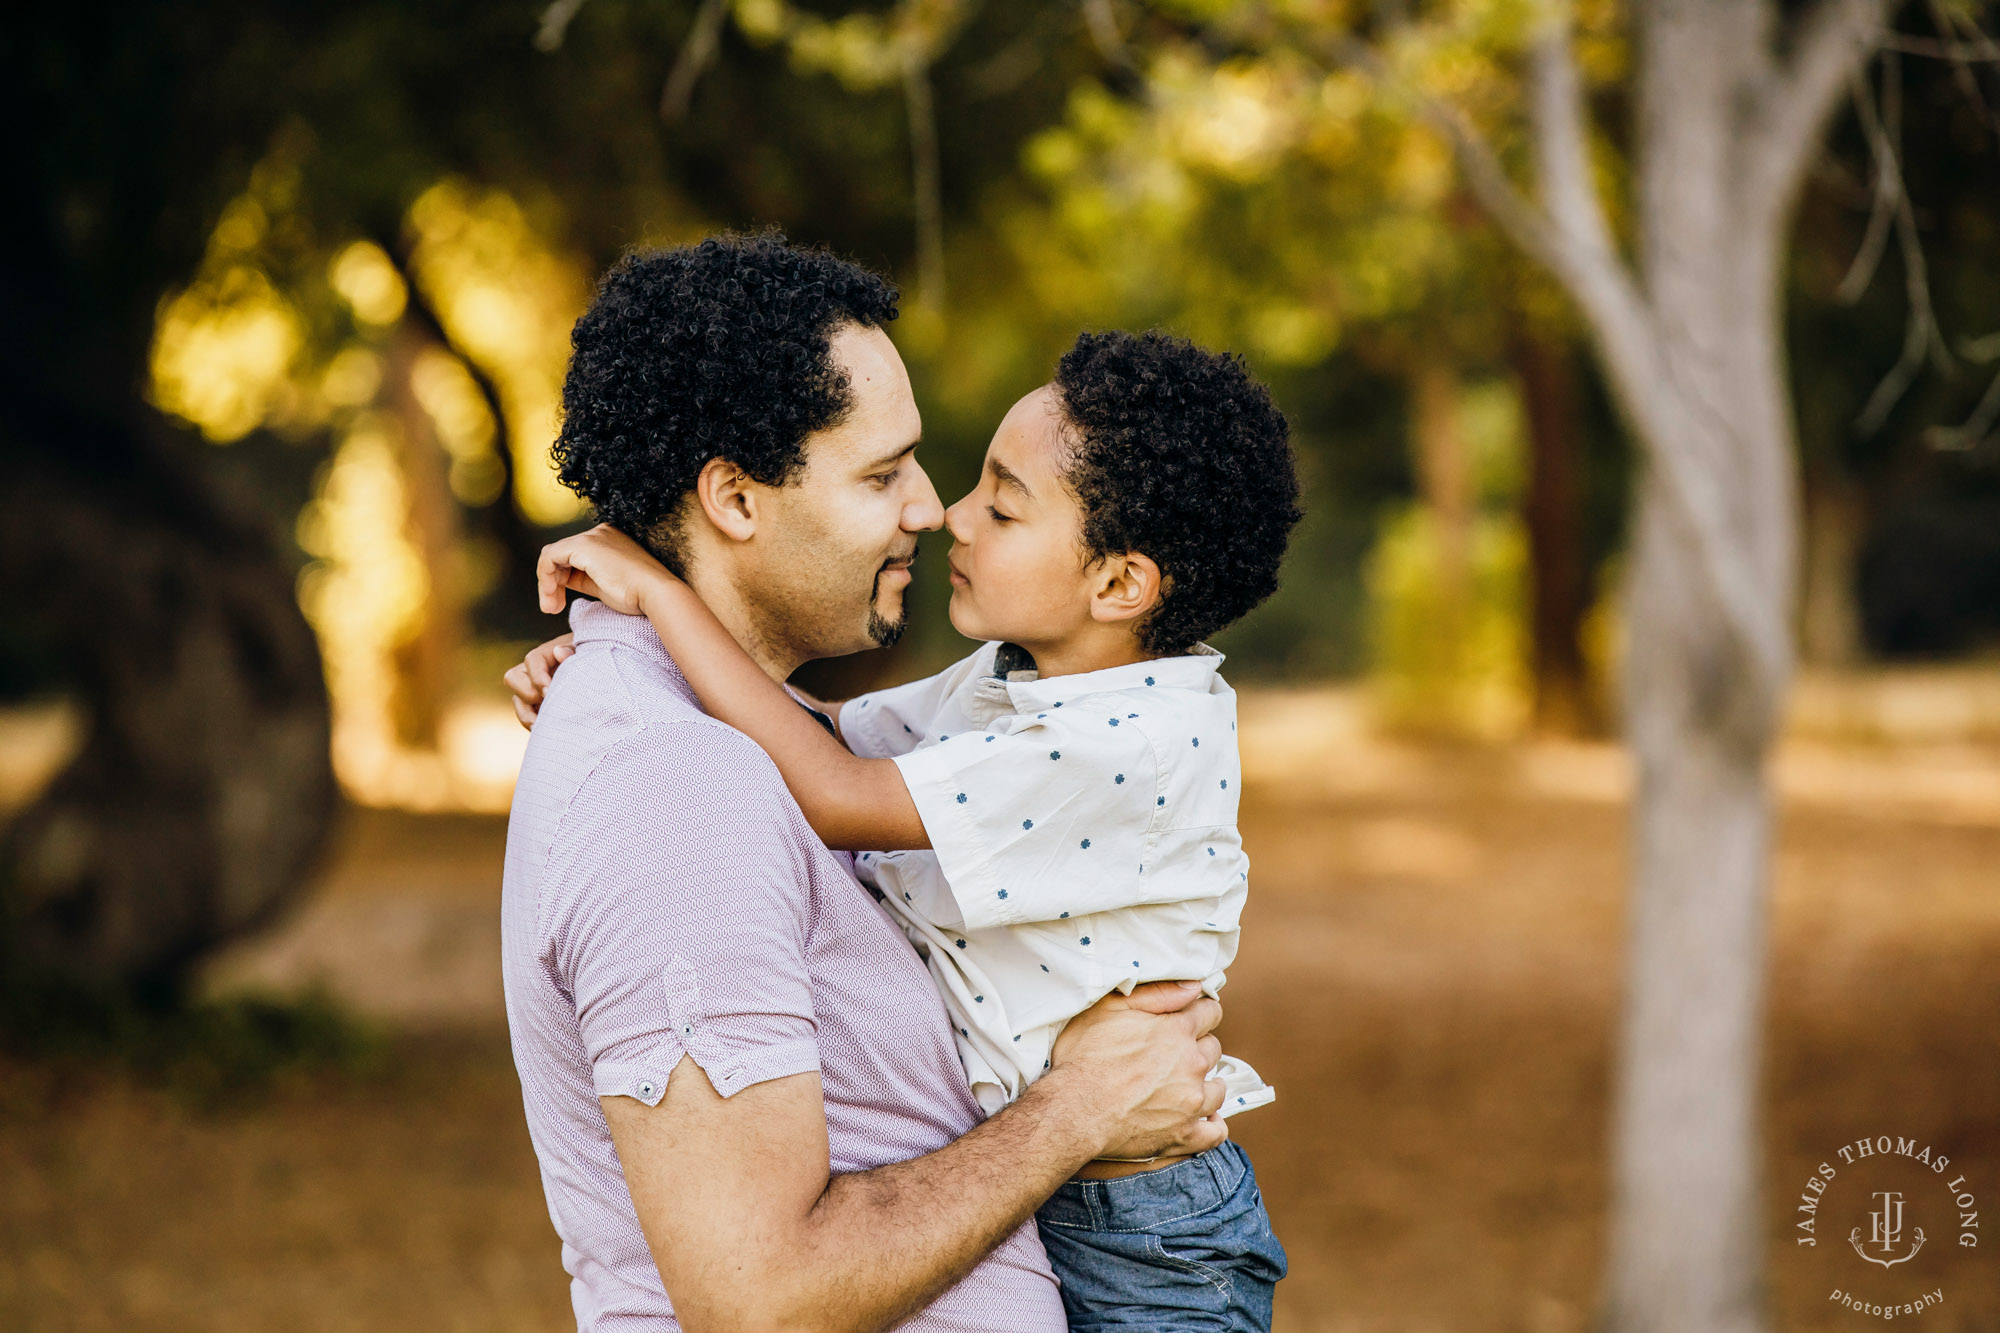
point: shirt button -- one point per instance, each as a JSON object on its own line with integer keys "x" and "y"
{"x": 645, "y": 1089}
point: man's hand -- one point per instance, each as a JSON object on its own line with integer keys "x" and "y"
{"x": 603, "y": 563}
{"x": 529, "y": 680}
{"x": 1141, "y": 1063}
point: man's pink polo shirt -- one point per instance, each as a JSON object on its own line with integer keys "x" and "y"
{"x": 665, "y": 897}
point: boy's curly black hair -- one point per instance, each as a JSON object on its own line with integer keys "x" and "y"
{"x": 714, "y": 350}
{"x": 1178, "y": 454}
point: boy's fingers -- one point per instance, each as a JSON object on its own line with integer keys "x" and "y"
{"x": 525, "y": 714}
{"x": 1214, "y": 1093}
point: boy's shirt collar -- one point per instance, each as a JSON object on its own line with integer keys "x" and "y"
{"x": 1014, "y": 686}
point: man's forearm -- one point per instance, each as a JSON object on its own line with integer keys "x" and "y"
{"x": 880, "y": 1245}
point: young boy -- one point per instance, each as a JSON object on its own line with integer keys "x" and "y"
{"x": 1054, "y": 817}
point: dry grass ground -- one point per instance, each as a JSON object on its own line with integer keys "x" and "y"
{"x": 1430, "y": 975}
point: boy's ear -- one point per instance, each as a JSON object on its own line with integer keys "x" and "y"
{"x": 728, "y": 498}
{"x": 1128, "y": 587}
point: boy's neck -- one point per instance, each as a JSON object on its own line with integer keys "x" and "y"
{"x": 1087, "y": 652}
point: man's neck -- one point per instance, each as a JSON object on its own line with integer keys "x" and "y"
{"x": 739, "y": 616}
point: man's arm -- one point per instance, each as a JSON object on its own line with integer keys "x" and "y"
{"x": 852, "y": 803}
{"x": 749, "y": 1232}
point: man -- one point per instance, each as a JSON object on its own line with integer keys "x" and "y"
{"x": 738, "y": 1078}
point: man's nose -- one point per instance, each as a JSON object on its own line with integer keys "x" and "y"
{"x": 924, "y": 511}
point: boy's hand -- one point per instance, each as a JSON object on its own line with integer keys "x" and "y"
{"x": 529, "y": 679}
{"x": 603, "y": 563}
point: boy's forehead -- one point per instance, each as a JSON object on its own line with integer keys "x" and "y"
{"x": 1029, "y": 442}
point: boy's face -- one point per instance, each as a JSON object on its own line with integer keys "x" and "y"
{"x": 1018, "y": 568}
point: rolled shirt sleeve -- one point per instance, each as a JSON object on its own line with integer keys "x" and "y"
{"x": 683, "y": 955}
{"x": 1044, "y": 816}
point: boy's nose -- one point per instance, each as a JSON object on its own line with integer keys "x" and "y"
{"x": 954, "y": 521}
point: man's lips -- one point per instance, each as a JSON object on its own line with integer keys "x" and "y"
{"x": 896, "y": 570}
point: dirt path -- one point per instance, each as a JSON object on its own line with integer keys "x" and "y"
{"x": 1429, "y": 975}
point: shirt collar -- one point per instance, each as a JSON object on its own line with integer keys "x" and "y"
{"x": 593, "y": 622}
{"x": 1014, "y": 681}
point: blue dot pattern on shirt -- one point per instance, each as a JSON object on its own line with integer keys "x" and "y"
{"x": 1086, "y": 939}
{"x": 1003, "y": 893}
{"x": 960, "y": 943}
{"x": 1064, "y": 916}
{"x": 1085, "y": 844}
{"x": 1045, "y": 966}
{"x": 990, "y": 740}
{"x": 1055, "y": 754}
{"x": 1112, "y": 720}
{"x": 1149, "y": 680}
{"x": 1225, "y": 784}
{"x": 979, "y": 999}
{"x": 1196, "y": 742}
{"x": 1211, "y": 851}
{"x": 961, "y": 795}
{"x": 1120, "y": 779}
{"x": 1027, "y": 823}
{"x": 1161, "y": 801}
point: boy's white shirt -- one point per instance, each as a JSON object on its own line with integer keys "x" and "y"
{"x": 1084, "y": 840}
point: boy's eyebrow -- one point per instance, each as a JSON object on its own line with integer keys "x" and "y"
{"x": 1005, "y": 476}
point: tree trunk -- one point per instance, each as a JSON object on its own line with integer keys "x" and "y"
{"x": 1829, "y": 617}
{"x": 203, "y": 791}
{"x": 1728, "y": 111}
{"x": 1444, "y": 479}
{"x": 1565, "y": 702}
{"x": 1709, "y": 616}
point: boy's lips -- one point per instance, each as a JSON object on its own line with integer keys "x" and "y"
{"x": 958, "y": 580}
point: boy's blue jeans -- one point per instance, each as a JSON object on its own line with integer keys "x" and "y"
{"x": 1187, "y": 1249}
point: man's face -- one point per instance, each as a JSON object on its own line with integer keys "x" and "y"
{"x": 843, "y": 533}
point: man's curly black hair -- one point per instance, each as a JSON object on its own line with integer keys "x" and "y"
{"x": 714, "y": 350}
{"x": 1178, "y": 454}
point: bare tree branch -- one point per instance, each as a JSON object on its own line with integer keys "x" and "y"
{"x": 1102, "y": 23}
{"x": 1977, "y": 51}
{"x": 1973, "y": 433}
{"x": 555, "y": 24}
{"x": 1827, "y": 44}
{"x": 1961, "y": 68}
{"x": 925, "y": 177}
{"x": 697, "y": 54}
{"x": 1922, "y": 335}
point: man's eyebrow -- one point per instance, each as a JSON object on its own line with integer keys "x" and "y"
{"x": 1005, "y": 476}
{"x": 886, "y": 459}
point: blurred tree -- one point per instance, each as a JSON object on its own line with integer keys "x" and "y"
{"x": 202, "y": 789}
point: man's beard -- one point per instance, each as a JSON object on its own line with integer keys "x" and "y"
{"x": 882, "y": 630}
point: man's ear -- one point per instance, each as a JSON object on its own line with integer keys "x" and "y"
{"x": 1128, "y": 586}
{"x": 728, "y": 497}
